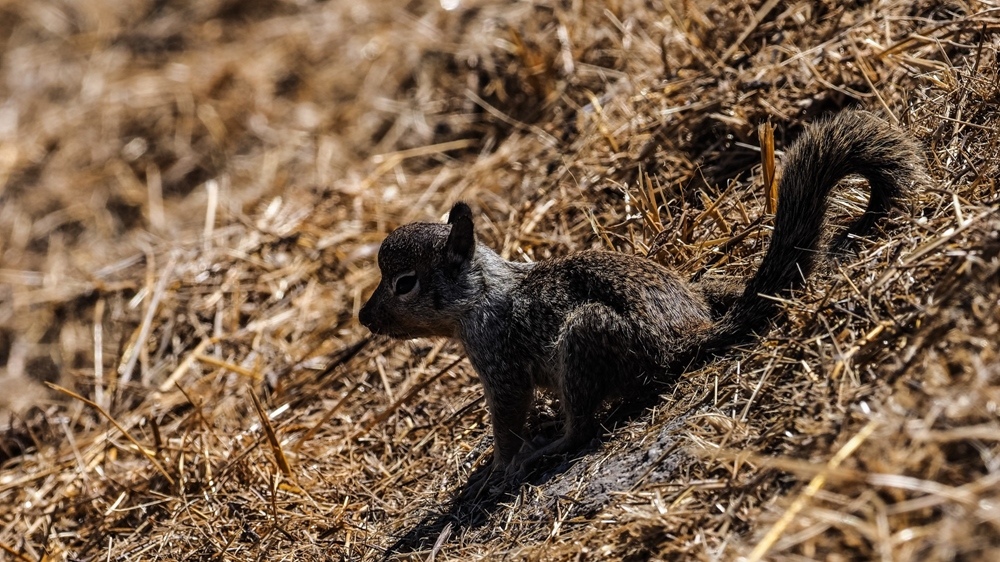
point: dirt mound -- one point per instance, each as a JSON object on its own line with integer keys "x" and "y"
{"x": 192, "y": 195}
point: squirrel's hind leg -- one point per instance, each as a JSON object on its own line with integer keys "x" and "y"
{"x": 598, "y": 357}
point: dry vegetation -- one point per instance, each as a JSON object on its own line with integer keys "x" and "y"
{"x": 192, "y": 193}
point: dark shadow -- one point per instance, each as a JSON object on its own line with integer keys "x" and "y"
{"x": 470, "y": 508}
{"x": 485, "y": 492}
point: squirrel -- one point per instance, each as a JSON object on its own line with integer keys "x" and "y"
{"x": 597, "y": 324}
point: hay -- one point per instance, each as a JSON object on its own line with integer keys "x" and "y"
{"x": 191, "y": 197}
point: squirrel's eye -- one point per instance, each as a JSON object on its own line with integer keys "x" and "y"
{"x": 405, "y": 283}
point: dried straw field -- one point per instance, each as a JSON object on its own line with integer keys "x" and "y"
{"x": 192, "y": 195}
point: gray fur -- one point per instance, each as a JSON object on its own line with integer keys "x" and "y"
{"x": 594, "y": 325}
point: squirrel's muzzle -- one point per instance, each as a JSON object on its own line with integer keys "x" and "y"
{"x": 367, "y": 315}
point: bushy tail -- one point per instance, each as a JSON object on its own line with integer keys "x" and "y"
{"x": 852, "y": 142}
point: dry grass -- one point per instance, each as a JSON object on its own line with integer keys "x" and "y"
{"x": 191, "y": 196}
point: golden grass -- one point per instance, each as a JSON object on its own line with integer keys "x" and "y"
{"x": 192, "y": 196}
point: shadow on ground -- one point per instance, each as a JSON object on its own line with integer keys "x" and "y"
{"x": 630, "y": 463}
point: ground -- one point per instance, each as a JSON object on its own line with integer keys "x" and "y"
{"x": 192, "y": 195}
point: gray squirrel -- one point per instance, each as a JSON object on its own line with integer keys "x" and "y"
{"x": 595, "y": 325}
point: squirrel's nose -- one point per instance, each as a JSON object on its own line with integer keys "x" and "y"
{"x": 366, "y": 316}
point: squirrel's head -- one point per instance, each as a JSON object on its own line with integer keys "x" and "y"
{"x": 427, "y": 278}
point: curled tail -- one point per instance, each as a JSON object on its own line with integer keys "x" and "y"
{"x": 852, "y": 142}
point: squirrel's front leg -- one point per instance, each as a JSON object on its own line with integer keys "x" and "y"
{"x": 508, "y": 399}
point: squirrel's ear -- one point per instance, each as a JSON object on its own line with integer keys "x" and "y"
{"x": 462, "y": 239}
